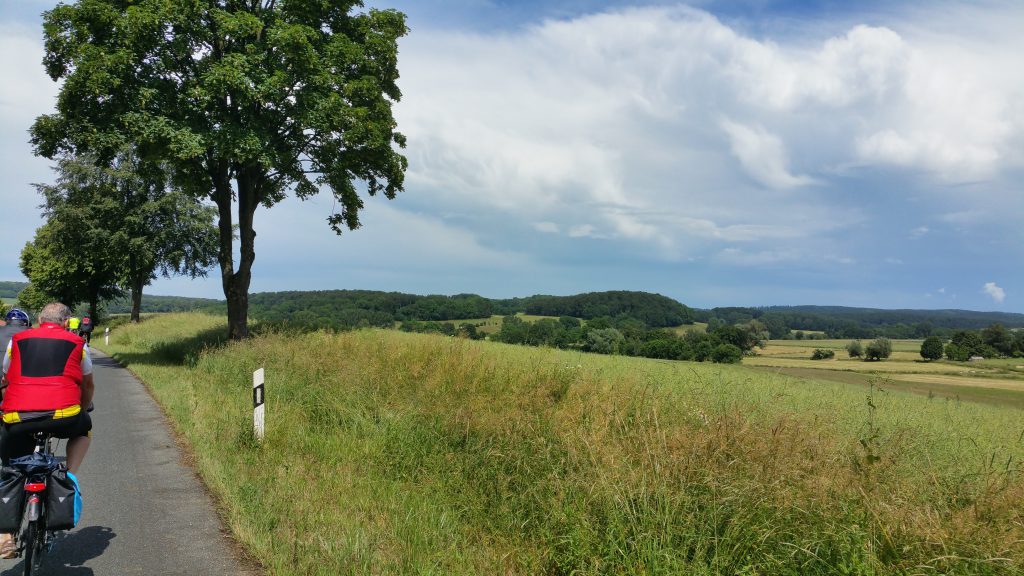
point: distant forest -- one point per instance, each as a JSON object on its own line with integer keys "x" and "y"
{"x": 845, "y": 322}
{"x": 11, "y": 289}
{"x": 343, "y": 309}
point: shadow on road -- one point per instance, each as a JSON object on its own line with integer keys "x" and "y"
{"x": 71, "y": 551}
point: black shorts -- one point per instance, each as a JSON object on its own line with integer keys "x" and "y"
{"x": 17, "y": 439}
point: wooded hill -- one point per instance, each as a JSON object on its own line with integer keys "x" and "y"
{"x": 350, "y": 308}
{"x": 847, "y": 322}
{"x": 11, "y": 289}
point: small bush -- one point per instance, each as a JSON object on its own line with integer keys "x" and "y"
{"x": 727, "y": 354}
{"x": 931, "y": 348}
{"x": 878, "y": 349}
{"x": 820, "y": 354}
{"x": 957, "y": 353}
{"x": 855, "y": 349}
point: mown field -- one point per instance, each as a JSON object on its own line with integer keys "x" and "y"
{"x": 395, "y": 453}
{"x": 999, "y": 381}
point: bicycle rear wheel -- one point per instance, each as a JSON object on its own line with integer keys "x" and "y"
{"x": 31, "y": 554}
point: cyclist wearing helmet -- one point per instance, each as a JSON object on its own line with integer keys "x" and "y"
{"x": 17, "y": 317}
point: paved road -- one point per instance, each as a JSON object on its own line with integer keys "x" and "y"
{"x": 145, "y": 512}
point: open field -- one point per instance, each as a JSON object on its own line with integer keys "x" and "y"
{"x": 695, "y": 327}
{"x": 999, "y": 381}
{"x": 431, "y": 455}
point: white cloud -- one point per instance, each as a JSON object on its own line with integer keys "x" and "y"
{"x": 762, "y": 154}
{"x": 620, "y": 117}
{"x": 547, "y": 227}
{"x": 919, "y": 232}
{"x": 995, "y": 292}
{"x": 739, "y": 257}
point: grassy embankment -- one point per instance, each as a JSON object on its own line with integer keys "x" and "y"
{"x": 405, "y": 453}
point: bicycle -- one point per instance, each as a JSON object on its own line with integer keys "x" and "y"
{"x": 33, "y": 539}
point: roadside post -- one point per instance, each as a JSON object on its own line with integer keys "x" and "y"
{"x": 106, "y": 337}
{"x": 258, "y": 397}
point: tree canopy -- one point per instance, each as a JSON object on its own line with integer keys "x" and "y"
{"x": 113, "y": 228}
{"x": 244, "y": 100}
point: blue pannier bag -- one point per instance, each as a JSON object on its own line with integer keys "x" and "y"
{"x": 63, "y": 500}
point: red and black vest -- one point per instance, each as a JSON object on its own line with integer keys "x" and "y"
{"x": 45, "y": 371}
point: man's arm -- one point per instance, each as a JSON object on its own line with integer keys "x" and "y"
{"x": 6, "y": 366}
{"x": 88, "y": 387}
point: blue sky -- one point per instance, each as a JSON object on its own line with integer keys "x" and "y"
{"x": 721, "y": 153}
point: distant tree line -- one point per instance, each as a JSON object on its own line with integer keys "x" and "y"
{"x": 344, "y": 309}
{"x": 11, "y": 289}
{"x": 861, "y": 323}
{"x": 995, "y": 341}
{"x": 632, "y": 337}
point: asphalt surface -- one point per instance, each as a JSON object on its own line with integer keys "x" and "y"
{"x": 144, "y": 512}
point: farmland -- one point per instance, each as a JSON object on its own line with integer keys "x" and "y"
{"x": 430, "y": 454}
{"x": 991, "y": 380}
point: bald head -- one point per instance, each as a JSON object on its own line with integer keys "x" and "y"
{"x": 55, "y": 312}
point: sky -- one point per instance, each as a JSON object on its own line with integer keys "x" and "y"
{"x": 747, "y": 153}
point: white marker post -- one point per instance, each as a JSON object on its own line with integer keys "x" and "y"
{"x": 258, "y": 397}
{"x": 106, "y": 337}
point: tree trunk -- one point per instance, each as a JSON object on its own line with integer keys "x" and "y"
{"x": 137, "y": 298}
{"x": 94, "y": 309}
{"x": 237, "y": 293}
{"x": 236, "y": 282}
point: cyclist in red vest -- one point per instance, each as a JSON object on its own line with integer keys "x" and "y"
{"x": 48, "y": 379}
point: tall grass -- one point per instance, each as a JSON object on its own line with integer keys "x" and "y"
{"x": 394, "y": 453}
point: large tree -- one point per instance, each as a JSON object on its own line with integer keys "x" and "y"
{"x": 146, "y": 227}
{"x": 245, "y": 99}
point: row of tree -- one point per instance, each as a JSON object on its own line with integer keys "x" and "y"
{"x": 630, "y": 337}
{"x": 862, "y": 323}
{"x": 992, "y": 342}
{"x": 112, "y": 229}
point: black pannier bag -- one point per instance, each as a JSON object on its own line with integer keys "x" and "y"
{"x": 12, "y": 493}
{"x": 63, "y": 500}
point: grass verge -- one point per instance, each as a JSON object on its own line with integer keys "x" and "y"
{"x": 394, "y": 453}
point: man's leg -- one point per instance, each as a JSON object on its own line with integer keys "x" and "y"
{"x": 12, "y": 445}
{"x": 77, "y": 447}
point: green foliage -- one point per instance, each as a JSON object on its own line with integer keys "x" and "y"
{"x": 861, "y": 323}
{"x": 11, "y": 289}
{"x": 957, "y": 352}
{"x": 32, "y": 300}
{"x": 653, "y": 310}
{"x": 878, "y": 349}
{"x": 999, "y": 339}
{"x": 135, "y": 223}
{"x": 823, "y": 354}
{"x": 855, "y": 349}
{"x": 727, "y": 353}
{"x": 931, "y": 348}
{"x": 243, "y": 101}
{"x": 71, "y": 261}
{"x": 602, "y": 341}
